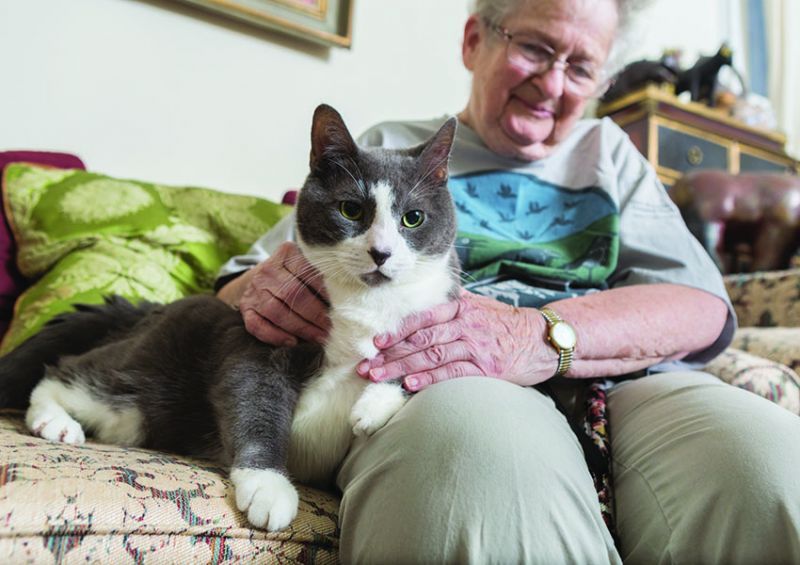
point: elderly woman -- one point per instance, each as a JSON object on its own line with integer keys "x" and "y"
{"x": 481, "y": 469}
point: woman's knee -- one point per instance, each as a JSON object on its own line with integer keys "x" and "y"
{"x": 471, "y": 469}
{"x": 704, "y": 472}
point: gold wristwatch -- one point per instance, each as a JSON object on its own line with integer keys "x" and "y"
{"x": 562, "y": 337}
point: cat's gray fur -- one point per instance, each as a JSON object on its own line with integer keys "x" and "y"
{"x": 187, "y": 377}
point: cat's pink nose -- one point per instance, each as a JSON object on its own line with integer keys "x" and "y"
{"x": 379, "y": 256}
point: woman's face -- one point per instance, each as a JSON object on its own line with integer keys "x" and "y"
{"x": 522, "y": 115}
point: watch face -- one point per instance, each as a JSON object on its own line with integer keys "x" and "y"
{"x": 563, "y": 335}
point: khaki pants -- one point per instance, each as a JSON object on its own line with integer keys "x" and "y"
{"x": 477, "y": 470}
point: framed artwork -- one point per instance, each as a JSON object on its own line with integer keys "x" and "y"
{"x": 324, "y": 21}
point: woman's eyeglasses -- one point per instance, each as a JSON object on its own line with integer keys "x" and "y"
{"x": 534, "y": 57}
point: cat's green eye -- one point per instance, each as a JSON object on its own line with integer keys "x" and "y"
{"x": 351, "y": 210}
{"x": 413, "y": 219}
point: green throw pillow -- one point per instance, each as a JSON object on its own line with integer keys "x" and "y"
{"x": 82, "y": 236}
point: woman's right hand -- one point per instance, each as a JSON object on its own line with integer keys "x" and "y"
{"x": 282, "y": 299}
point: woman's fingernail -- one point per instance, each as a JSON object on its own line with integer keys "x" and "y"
{"x": 289, "y": 342}
{"x": 362, "y": 368}
{"x": 411, "y": 383}
{"x": 381, "y": 340}
{"x": 377, "y": 373}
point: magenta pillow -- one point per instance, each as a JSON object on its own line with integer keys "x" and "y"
{"x": 12, "y": 282}
{"x": 290, "y": 197}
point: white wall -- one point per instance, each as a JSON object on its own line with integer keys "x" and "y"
{"x": 697, "y": 27}
{"x": 155, "y": 90}
{"x": 158, "y": 91}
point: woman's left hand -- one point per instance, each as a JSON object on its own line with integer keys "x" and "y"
{"x": 470, "y": 336}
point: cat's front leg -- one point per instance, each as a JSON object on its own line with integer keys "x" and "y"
{"x": 262, "y": 488}
{"x": 267, "y": 497}
{"x": 376, "y": 405}
{"x": 254, "y": 403}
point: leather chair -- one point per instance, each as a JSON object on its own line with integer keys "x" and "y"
{"x": 748, "y": 222}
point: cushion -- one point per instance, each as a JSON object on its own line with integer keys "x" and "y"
{"x": 774, "y": 381}
{"x": 766, "y": 299}
{"x": 84, "y": 235}
{"x": 781, "y": 345}
{"x": 12, "y": 283}
{"x": 107, "y": 504}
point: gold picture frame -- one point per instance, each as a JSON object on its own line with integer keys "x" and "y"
{"x": 328, "y": 22}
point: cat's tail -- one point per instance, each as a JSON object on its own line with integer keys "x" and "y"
{"x": 71, "y": 333}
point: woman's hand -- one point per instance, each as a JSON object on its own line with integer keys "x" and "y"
{"x": 471, "y": 336}
{"x": 283, "y": 299}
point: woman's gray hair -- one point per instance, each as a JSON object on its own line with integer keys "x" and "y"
{"x": 495, "y": 11}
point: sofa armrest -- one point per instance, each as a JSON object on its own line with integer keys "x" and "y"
{"x": 770, "y": 298}
{"x": 764, "y": 377}
{"x": 110, "y": 504}
{"x": 776, "y": 344}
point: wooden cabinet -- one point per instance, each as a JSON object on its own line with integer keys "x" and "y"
{"x": 677, "y": 137}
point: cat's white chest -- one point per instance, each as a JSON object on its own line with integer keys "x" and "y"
{"x": 322, "y": 426}
{"x": 320, "y": 433}
{"x": 354, "y": 331}
{"x": 338, "y": 402}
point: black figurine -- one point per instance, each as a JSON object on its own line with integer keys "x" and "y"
{"x": 638, "y": 74}
{"x": 701, "y": 79}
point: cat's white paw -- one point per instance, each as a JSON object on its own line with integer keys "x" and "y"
{"x": 377, "y": 404}
{"x": 56, "y": 425}
{"x": 268, "y": 498}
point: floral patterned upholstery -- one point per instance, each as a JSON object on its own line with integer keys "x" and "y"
{"x": 101, "y": 503}
{"x": 764, "y": 377}
{"x": 765, "y": 354}
{"x": 768, "y": 307}
{"x": 766, "y": 299}
{"x": 781, "y": 345}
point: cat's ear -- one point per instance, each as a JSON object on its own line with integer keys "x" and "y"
{"x": 435, "y": 153}
{"x": 330, "y": 138}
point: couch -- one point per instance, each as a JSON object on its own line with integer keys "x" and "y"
{"x": 69, "y": 504}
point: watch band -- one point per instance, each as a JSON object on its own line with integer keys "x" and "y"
{"x": 564, "y": 353}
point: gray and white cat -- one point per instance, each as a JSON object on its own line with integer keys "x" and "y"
{"x": 188, "y": 378}
{"x": 384, "y": 246}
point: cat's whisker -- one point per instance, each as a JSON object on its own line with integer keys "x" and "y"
{"x": 359, "y": 183}
{"x": 428, "y": 173}
{"x": 306, "y": 270}
{"x": 464, "y": 275}
{"x": 292, "y": 296}
{"x": 307, "y": 281}
{"x": 358, "y": 170}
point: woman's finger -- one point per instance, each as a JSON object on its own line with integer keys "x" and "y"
{"x": 277, "y": 295}
{"x": 421, "y": 340}
{"x": 298, "y": 299}
{"x": 418, "y": 321}
{"x": 419, "y": 381}
{"x": 428, "y": 359}
{"x": 293, "y": 260}
{"x": 416, "y": 342}
{"x": 291, "y": 320}
{"x": 265, "y": 330}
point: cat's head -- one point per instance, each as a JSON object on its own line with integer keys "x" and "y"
{"x": 369, "y": 217}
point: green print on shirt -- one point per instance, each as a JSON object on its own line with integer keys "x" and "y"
{"x": 516, "y": 226}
